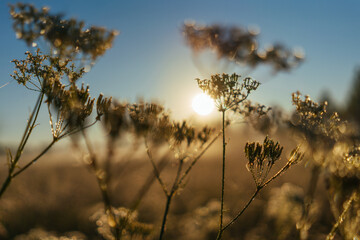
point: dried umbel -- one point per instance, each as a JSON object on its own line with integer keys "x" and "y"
{"x": 240, "y": 45}
{"x": 114, "y": 119}
{"x": 261, "y": 158}
{"x": 39, "y": 72}
{"x": 146, "y": 117}
{"x": 226, "y": 90}
{"x": 182, "y": 132}
{"x": 67, "y": 36}
{"x": 73, "y": 105}
{"x": 314, "y": 119}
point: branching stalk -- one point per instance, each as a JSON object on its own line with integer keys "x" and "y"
{"x": 258, "y": 189}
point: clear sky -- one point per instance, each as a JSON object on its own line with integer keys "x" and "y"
{"x": 149, "y": 58}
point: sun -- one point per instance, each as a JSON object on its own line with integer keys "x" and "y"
{"x": 202, "y": 104}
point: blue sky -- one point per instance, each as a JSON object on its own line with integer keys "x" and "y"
{"x": 149, "y": 58}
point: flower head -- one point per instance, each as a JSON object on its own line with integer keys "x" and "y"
{"x": 226, "y": 90}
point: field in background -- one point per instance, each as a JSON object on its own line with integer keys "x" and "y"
{"x": 63, "y": 196}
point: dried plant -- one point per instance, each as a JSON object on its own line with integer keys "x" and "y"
{"x": 261, "y": 158}
{"x": 332, "y": 145}
{"x": 67, "y": 36}
{"x": 240, "y": 45}
{"x": 332, "y": 151}
{"x": 228, "y": 94}
{"x": 154, "y": 124}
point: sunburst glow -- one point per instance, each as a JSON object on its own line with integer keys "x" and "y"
{"x": 202, "y": 104}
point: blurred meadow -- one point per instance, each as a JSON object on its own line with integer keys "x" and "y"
{"x": 188, "y": 120}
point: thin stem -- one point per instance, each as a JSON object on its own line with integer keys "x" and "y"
{"x": 198, "y": 157}
{"x": 102, "y": 186}
{"x": 243, "y": 210}
{"x": 309, "y": 198}
{"x": 28, "y": 129}
{"x": 32, "y": 120}
{"x": 167, "y": 207}
{"x": 35, "y": 159}
{"x": 179, "y": 178}
{"x": 175, "y": 186}
{"x": 258, "y": 189}
{"x": 156, "y": 170}
{"x": 222, "y": 178}
{"x": 149, "y": 181}
{"x": 341, "y": 218}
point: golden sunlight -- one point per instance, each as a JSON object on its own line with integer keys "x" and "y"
{"x": 202, "y": 104}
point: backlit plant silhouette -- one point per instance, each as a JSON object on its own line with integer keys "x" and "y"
{"x": 173, "y": 148}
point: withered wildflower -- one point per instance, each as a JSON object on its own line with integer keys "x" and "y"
{"x": 183, "y": 132}
{"x": 228, "y": 94}
{"x": 102, "y": 105}
{"x": 314, "y": 118}
{"x": 40, "y": 72}
{"x": 261, "y": 158}
{"x": 226, "y": 90}
{"x": 332, "y": 150}
{"x": 67, "y": 36}
{"x": 114, "y": 119}
{"x": 204, "y": 134}
{"x": 73, "y": 106}
{"x": 240, "y": 45}
{"x": 145, "y": 116}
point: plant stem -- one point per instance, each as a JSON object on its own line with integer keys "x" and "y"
{"x": 28, "y": 129}
{"x": 341, "y": 218}
{"x": 35, "y": 159}
{"x": 103, "y": 186}
{"x": 222, "y": 179}
{"x": 174, "y": 188}
{"x": 309, "y": 198}
{"x": 243, "y": 210}
{"x": 147, "y": 184}
{"x": 166, "y": 212}
{"x": 258, "y": 189}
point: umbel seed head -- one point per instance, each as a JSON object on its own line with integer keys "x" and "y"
{"x": 226, "y": 90}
